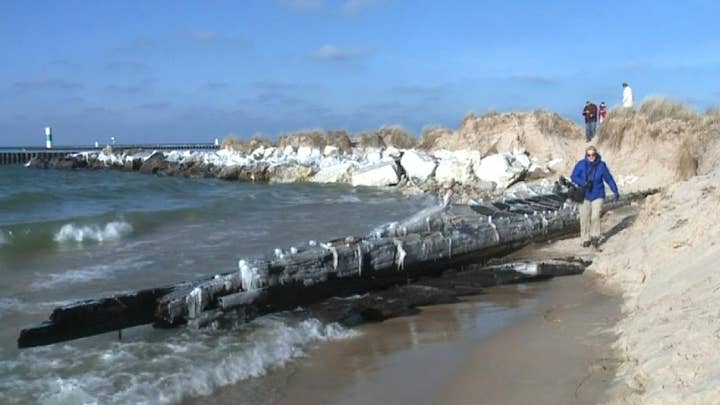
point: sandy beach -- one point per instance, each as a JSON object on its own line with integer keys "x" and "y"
{"x": 544, "y": 343}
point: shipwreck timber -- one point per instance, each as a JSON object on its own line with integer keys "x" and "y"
{"x": 395, "y": 254}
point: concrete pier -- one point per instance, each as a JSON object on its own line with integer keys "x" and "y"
{"x": 22, "y": 155}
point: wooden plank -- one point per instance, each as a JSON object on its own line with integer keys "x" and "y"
{"x": 399, "y": 253}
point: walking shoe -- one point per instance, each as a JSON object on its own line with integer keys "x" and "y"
{"x": 595, "y": 242}
{"x": 586, "y": 243}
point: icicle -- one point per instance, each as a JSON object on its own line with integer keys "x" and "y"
{"x": 194, "y": 302}
{"x": 450, "y": 247}
{"x": 427, "y": 221}
{"x": 400, "y": 255}
{"x": 360, "y": 262}
{"x": 497, "y": 235}
{"x": 249, "y": 277}
{"x": 334, "y": 252}
{"x": 545, "y": 222}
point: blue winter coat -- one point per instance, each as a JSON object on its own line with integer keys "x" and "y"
{"x": 594, "y": 175}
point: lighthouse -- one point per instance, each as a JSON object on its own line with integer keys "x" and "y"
{"x": 48, "y": 137}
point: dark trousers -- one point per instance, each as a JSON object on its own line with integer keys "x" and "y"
{"x": 590, "y": 128}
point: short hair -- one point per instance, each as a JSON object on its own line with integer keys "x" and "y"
{"x": 625, "y": 84}
{"x": 591, "y": 148}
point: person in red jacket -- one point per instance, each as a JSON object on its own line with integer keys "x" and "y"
{"x": 590, "y": 113}
{"x": 603, "y": 112}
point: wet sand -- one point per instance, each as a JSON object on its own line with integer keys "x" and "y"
{"x": 559, "y": 355}
{"x": 543, "y": 342}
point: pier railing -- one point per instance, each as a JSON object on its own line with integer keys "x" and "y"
{"x": 20, "y": 155}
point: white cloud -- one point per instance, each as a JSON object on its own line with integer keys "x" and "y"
{"x": 333, "y": 53}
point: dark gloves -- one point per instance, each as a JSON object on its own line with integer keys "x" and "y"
{"x": 617, "y": 197}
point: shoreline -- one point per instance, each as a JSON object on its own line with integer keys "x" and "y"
{"x": 514, "y": 344}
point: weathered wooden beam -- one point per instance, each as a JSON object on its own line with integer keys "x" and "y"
{"x": 92, "y": 317}
{"x": 428, "y": 242}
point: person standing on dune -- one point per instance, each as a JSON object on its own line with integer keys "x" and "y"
{"x": 602, "y": 113}
{"x": 590, "y": 114}
{"x": 591, "y": 174}
{"x": 627, "y": 96}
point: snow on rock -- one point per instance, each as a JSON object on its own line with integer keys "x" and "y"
{"x": 555, "y": 162}
{"x": 391, "y": 153}
{"x": 498, "y": 168}
{"x": 418, "y": 165}
{"x": 456, "y": 166}
{"x": 288, "y": 151}
{"x": 338, "y": 173}
{"x": 331, "y": 150}
{"x": 523, "y": 159}
{"x": 373, "y": 156}
{"x": 377, "y": 175}
{"x": 258, "y": 153}
{"x": 307, "y": 155}
{"x": 269, "y": 152}
{"x": 110, "y": 159}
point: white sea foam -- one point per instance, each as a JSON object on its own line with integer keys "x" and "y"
{"x": 190, "y": 364}
{"x": 83, "y": 233}
{"x": 9, "y": 305}
{"x": 97, "y": 271}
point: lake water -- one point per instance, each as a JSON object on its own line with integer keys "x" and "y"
{"x": 71, "y": 235}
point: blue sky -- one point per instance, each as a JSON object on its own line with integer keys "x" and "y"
{"x": 157, "y": 71}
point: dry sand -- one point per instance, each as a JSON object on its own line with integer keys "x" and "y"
{"x": 667, "y": 267}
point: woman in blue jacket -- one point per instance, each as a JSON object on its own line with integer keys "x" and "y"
{"x": 591, "y": 173}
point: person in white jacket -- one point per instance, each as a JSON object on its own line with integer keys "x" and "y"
{"x": 627, "y": 96}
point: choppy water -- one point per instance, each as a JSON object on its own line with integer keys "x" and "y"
{"x": 67, "y": 235}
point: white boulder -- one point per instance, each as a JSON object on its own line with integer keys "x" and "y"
{"x": 418, "y": 165}
{"x": 377, "y": 175}
{"x": 391, "y": 153}
{"x": 308, "y": 155}
{"x": 497, "y": 168}
{"x": 339, "y": 173}
{"x": 269, "y": 152}
{"x": 288, "y": 151}
{"x": 258, "y": 153}
{"x": 373, "y": 156}
{"x": 331, "y": 150}
{"x": 457, "y": 166}
{"x": 523, "y": 160}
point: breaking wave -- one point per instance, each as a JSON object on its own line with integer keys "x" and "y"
{"x": 191, "y": 364}
{"x": 9, "y": 305}
{"x": 85, "y": 233}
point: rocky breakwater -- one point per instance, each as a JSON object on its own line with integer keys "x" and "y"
{"x": 442, "y": 160}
